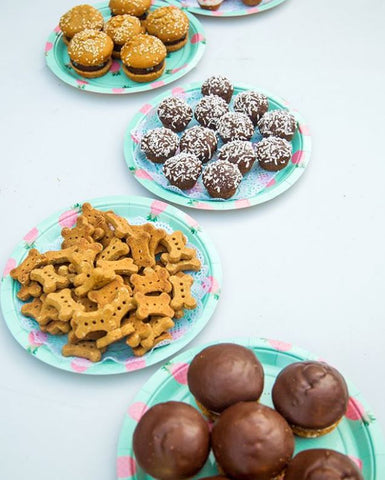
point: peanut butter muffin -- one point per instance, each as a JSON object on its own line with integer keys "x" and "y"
{"x": 221, "y": 179}
{"x": 143, "y": 58}
{"x": 159, "y": 144}
{"x": 78, "y": 19}
{"x": 239, "y": 152}
{"x": 121, "y": 28}
{"x": 169, "y": 24}
{"x": 183, "y": 170}
{"x": 199, "y": 141}
{"x": 209, "y": 110}
{"x": 218, "y": 85}
{"x": 235, "y": 126}
{"x": 175, "y": 113}
{"x": 253, "y": 104}
{"x": 90, "y": 53}
{"x": 278, "y": 123}
{"x": 137, "y": 8}
{"x": 273, "y": 153}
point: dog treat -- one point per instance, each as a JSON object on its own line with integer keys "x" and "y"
{"x": 124, "y": 266}
{"x": 64, "y": 304}
{"x": 34, "y": 260}
{"x": 49, "y": 279}
{"x": 106, "y": 294}
{"x": 156, "y": 235}
{"x": 33, "y": 289}
{"x": 181, "y": 289}
{"x": 149, "y": 305}
{"x": 83, "y": 229}
{"x": 173, "y": 268}
{"x": 152, "y": 280}
{"x": 115, "y": 335}
{"x": 56, "y": 327}
{"x": 176, "y": 247}
{"x": 139, "y": 243}
{"x": 91, "y": 278}
{"x": 114, "y": 251}
{"x": 140, "y": 351}
{"x": 85, "y": 349}
{"x": 121, "y": 227}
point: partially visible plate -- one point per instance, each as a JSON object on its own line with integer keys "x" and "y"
{"x": 358, "y": 434}
{"x": 230, "y": 8}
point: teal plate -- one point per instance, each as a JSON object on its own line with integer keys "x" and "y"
{"x": 257, "y": 186}
{"x": 115, "y": 81}
{"x": 230, "y": 8}
{"x": 119, "y": 357}
{"x": 358, "y": 434}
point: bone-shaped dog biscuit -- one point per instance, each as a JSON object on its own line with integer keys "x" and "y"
{"x": 32, "y": 289}
{"x": 82, "y": 229}
{"x": 173, "y": 268}
{"x": 153, "y": 305}
{"x": 91, "y": 278}
{"x": 115, "y": 250}
{"x": 84, "y": 349}
{"x": 151, "y": 281}
{"x": 49, "y": 279}
{"x": 140, "y": 249}
{"x": 124, "y": 266}
{"x": 64, "y": 304}
{"x": 176, "y": 246}
{"x": 33, "y": 260}
{"x": 181, "y": 292}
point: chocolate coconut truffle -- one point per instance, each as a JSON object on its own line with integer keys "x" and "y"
{"x": 322, "y": 464}
{"x": 174, "y": 113}
{"x": 312, "y": 396}
{"x": 159, "y": 144}
{"x": 273, "y": 153}
{"x": 239, "y": 152}
{"x": 278, "y": 123}
{"x": 224, "y": 374}
{"x": 121, "y": 29}
{"x": 200, "y": 141}
{"x": 171, "y": 440}
{"x": 250, "y": 440}
{"x": 209, "y": 110}
{"x": 170, "y": 24}
{"x": 221, "y": 179}
{"x": 253, "y": 104}
{"x": 235, "y": 126}
{"x": 79, "y": 18}
{"x": 218, "y": 85}
{"x": 183, "y": 170}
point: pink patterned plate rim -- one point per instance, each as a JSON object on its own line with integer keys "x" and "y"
{"x": 230, "y": 8}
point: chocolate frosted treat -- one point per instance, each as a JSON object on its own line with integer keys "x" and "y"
{"x": 224, "y": 374}
{"x": 183, "y": 170}
{"x": 278, "y": 123}
{"x": 239, "y": 152}
{"x": 235, "y": 126}
{"x": 312, "y": 396}
{"x": 171, "y": 440}
{"x": 322, "y": 464}
{"x": 273, "y": 153}
{"x": 199, "y": 141}
{"x": 174, "y": 113}
{"x": 221, "y": 179}
{"x": 253, "y": 104}
{"x": 218, "y": 85}
{"x": 159, "y": 144}
{"x": 250, "y": 440}
{"x": 209, "y": 110}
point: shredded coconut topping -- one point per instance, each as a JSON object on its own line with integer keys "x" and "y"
{"x": 200, "y": 141}
{"x": 182, "y": 167}
{"x": 235, "y": 126}
{"x": 239, "y": 152}
{"x": 221, "y": 177}
{"x": 173, "y": 111}
{"x": 209, "y": 110}
{"x": 274, "y": 150}
{"x": 253, "y": 104}
{"x": 218, "y": 85}
{"x": 160, "y": 142}
{"x": 280, "y": 123}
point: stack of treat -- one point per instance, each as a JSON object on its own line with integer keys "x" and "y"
{"x": 183, "y": 156}
{"x": 249, "y": 440}
{"x": 215, "y": 4}
{"x": 109, "y": 281}
{"x": 139, "y": 38}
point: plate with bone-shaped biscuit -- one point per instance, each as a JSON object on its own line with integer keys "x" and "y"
{"x": 110, "y": 286}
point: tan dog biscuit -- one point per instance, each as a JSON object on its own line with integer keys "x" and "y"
{"x": 49, "y": 279}
{"x": 173, "y": 268}
{"x": 64, "y": 304}
{"x": 58, "y": 257}
{"x": 149, "y": 305}
{"x": 115, "y": 335}
{"x": 151, "y": 281}
{"x": 120, "y": 225}
{"x": 88, "y": 255}
{"x": 33, "y": 289}
{"x": 72, "y": 236}
{"x": 124, "y": 266}
{"x": 47, "y": 313}
{"x": 140, "y": 249}
{"x": 179, "y": 314}
{"x": 96, "y": 219}
{"x": 64, "y": 271}
{"x": 122, "y": 304}
{"x": 89, "y": 305}
{"x": 56, "y": 327}
{"x": 181, "y": 292}
{"x": 33, "y": 260}
{"x": 85, "y": 349}
{"x": 140, "y": 351}
{"x": 91, "y": 278}
{"x": 106, "y": 294}
{"x": 32, "y": 309}
{"x": 176, "y": 246}
{"x": 142, "y": 331}
{"x": 115, "y": 250}
{"x": 156, "y": 235}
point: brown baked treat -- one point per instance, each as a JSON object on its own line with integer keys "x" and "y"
{"x": 199, "y": 141}
{"x": 252, "y": 3}
{"x": 209, "y": 110}
{"x": 250, "y": 440}
{"x": 143, "y": 58}
{"x": 78, "y": 19}
{"x": 253, "y": 104}
{"x": 137, "y": 8}
{"x": 171, "y": 440}
{"x": 273, "y": 153}
{"x": 218, "y": 85}
{"x": 312, "y": 396}
{"x": 159, "y": 144}
{"x": 174, "y": 113}
{"x": 210, "y": 4}
{"x": 235, "y": 126}
{"x": 240, "y": 153}
{"x": 221, "y": 179}
{"x": 221, "y": 375}
{"x": 170, "y": 24}
{"x": 278, "y": 123}
{"x": 322, "y": 464}
{"x": 121, "y": 29}
{"x": 183, "y": 170}
{"x": 90, "y": 53}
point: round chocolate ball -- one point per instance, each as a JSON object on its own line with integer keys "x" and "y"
{"x": 209, "y": 110}
{"x": 273, "y": 153}
{"x": 278, "y": 123}
{"x": 224, "y": 374}
{"x": 171, "y": 440}
{"x": 312, "y": 396}
{"x": 218, "y": 85}
{"x": 239, "y": 152}
{"x": 174, "y": 113}
{"x": 235, "y": 126}
{"x": 322, "y": 464}
{"x": 253, "y": 104}
{"x": 251, "y": 440}
{"x": 199, "y": 141}
{"x": 183, "y": 170}
{"x": 221, "y": 179}
{"x": 159, "y": 144}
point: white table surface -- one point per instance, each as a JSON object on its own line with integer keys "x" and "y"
{"x": 307, "y": 268}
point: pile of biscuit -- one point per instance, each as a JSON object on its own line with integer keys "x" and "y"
{"x": 109, "y": 281}
{"x": 139, "y": 38}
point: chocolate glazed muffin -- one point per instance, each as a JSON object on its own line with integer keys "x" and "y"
{"x": 278, "y": 123}
{"x": 221, "y": 179}
{"x": 175, "y": 113}
{"x": 199, "y": 141}
{"x": 253, "y": 104}
{"x": 159, "y": 144}
{"x": 218, "y": 85}
{"x": 312, "y": 396}
{"x": 235, "y": 126}
{"x": 273, "y": 153}
{"x": 224, "y": 374}
{"x": 239, "y": 152}
{"x": 252, "y": 441}
{"x": 183, "y": 170}
{"x": 209, "y": 110}
{"x": 322, "y": 464}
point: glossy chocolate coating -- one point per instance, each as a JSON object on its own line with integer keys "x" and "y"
{"x": 322, "y": 464}
{"x": 311, "y": 395}
{"x": 171, "y": 441}
{"x": 252, "y": 441}
{"x": 224, "y": 374}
